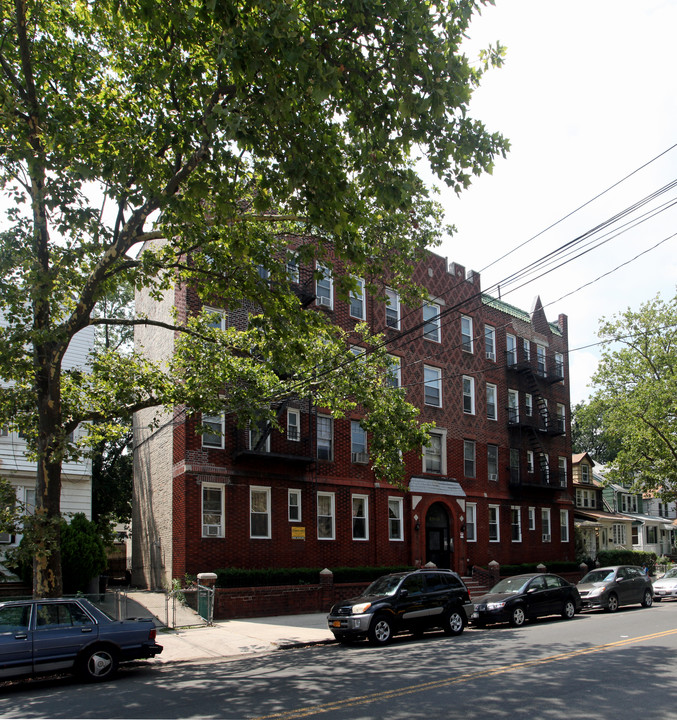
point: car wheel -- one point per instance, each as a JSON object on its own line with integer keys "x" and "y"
{"x": 517, "y": 617}
{"x": 453, "y": 623}
{"x": 647, "y": 600}
{"x": 612, "y": 603}
{"x": 569, "y": 610}
{"x": 99, "y": 663}
{"x": 380, "y": 630}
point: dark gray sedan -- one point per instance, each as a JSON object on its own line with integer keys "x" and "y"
{"x": 69, "y": 635}
{"x": 616, "y": 585}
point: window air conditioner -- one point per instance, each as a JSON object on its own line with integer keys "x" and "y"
{"x": 493, "y": 476}
{"x": 360, "y": 457}
{"x": 321, "y": 300}
{"x": 212, "y": 530}
{"x": 546, "y": 538}
{"x": 491, "y": 356}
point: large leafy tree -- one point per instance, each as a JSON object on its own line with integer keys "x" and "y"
{"x": 637, "y": 385}
{"x": 152, "y": 142}
{"x": 591, "y": 433}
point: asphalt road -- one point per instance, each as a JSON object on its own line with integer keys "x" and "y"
{"x": 596, "y": 665}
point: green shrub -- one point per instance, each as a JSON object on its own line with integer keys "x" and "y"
{"x": 83, "y": 553}
{"x": 628, "y": 557}
{"x": 556, "y": 566}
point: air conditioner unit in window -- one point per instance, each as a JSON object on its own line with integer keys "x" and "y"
{"x": 360, "y": 457}
{"x": 493, "y": 476}
{"x": 211, "y": 530}
{"x": 491, "y": 356}
{"x": 546, "y": 538}
{"x": 321, "y": 300}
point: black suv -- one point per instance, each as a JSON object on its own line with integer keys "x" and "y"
{"x": 411, "y": 601}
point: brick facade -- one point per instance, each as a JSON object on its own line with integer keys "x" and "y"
{"x": 467, "y": 512}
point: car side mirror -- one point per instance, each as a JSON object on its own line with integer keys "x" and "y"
{"x": 404, "y": 592}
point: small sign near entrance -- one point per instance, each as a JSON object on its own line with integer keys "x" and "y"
{"x": 298, "y": 532}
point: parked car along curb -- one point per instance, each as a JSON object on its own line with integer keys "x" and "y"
{"x": 616, "y": 585}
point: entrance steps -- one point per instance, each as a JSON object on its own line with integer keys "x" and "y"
{"x": 475, "y": 588}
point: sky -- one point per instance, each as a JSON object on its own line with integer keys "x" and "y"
{"x": 586, "y": 97}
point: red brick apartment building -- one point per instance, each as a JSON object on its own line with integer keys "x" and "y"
{"x": 494, "y": 483}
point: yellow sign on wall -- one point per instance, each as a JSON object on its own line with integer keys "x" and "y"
{"x": 298, "y": 532}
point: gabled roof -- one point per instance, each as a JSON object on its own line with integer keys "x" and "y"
{"x": 577, "y": 457}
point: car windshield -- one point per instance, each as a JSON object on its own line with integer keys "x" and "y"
{"x": 510, "y": 585}
{"x": 386, "y": 585}
{"x": 671, "y": 573}
{"x": 595, "y": 576}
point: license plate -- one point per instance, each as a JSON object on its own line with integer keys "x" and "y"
{"x": 336, "y": 623}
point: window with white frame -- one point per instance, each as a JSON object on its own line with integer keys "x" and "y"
{"x": 540, "y": 359}
{"x": 564, "y": 525}
{"x": 259, "y": 436}
{"x": 528, "y": 404}
{"x": 212, "y": 510}
{"x": 531, "y": 514}
{"x": 559, "y": 364}
{"x": 325, "y": 438}
{"x": 212, "y": 435}
{"x": 494, "y": 524}
{"x": 357, "y": 303}
{"x": 392, "y": 309}
{"x": 510, "y": 349}
{"x": 586, "y": 498}
{"x": 326, "y": 520}
{"x": 394, "y": 372}
{"x": 431, "y": 321}
{"x": 492, "y": 401}
{"x": 513, "y": 406}
{"x": 545, "y": 524}
{"x": 469, "y": 458}
{"x": 561, "y": 417}
{"x": 492, "y": 462}
{"x": 516, "y": 523}
{"x": 468, "y": 395}
{"x": 432, "y": 378}
{"x": 434, "y": 454}
{"x": 563, "y": 473}
{"x": 490, "y": 342}
{"x": 466, "y": 334}
{"x": 585, "y": 473}
{"x": 324, "y": 287}
{"x": 395, "y": 519}
{"x": 527, "y": 349}
{"x": 629, "y": 503}
{"x": 217, "y": 318}
{"x": 294, "y": 505}
{"x": 360, "y": 505}
{"x": 471, "y": 522}
{"x": 293, "y": 424}
{"x": 259, "y": 512}
{"x": 619, "y": 532}
{"x": 358, "y": 442}
{"x": 530, "y": 461}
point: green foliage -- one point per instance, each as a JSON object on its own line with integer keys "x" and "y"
{"x": 83, "y": 553}
{"x": 591, "y": 433}
{"x": 636, "y": 384}
{"x": 10, "y": 509}
{"x": 556, "y": 566}
{"x": 628, "y": 557}
{"x": 237, "y": 577}
{"x": 112, "y": 480}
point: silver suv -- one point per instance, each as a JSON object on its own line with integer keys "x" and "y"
{"x": 408, "y": 601}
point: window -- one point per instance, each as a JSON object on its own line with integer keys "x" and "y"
{"x": 217, "y": 318}
{"x": 532, "y": 518}
{"x": 433, "y": 386}
{"x": 357, "y": 300}
{"x": 468, "y": 395}
{"x": 492, "y": 462}
{"x": 511, "y": 350}
{"x": 545, "y": 524}
{"x": 559, "y": 365}
{"x": 515, "y": 524}
{"x": 492, "y": 410}
{"x": 325, "y": 438}
{"x": 561, "y": 417}
{"x": 259, "y": 512}
{"x": 513, "y": 406}
{"x": 530, "y": 461}
{"x": 527, "y": 349}
{"x": 431, "y": 322}
{"x": 514, "y": 465}
{"x": 358, "y": 443}
{"x": 471, "y": 522}
{"x": 629, "y": 503}
{"x": 585, "y": 473}
{"x": 325, "y": 516}
{"x": 619, "y": 533}
{"x": 394, "y": 377}
{"x": 562, "y": 466}
{"x": 564, "y": 525}
{"x": 293, "y": 424}
{"x": 490, "y": 342}
{"x": 651, "y": 534}
{"x": 294, "y": 505}
{"x": 212, "y": 510}
{"x": 634, "y": 535}
{"x": 212, "y": 436}
{"x": 293, "y": 268}
{"x": 466, "y": 334}
{"x": 540, "y": 359}
{"x": 263, "y": 272}
{"x": 259, "y": 436}
{"x": 469, "y": 458}
{"x": 360, "y": 513}
{"x": 392, "y": 309}
{"x": 544, "y": 460}
{"x": 434, "y": 454}
{"x": 586, "y": 498}
{"x": 29, "y": 500}
{"x": 528, "y": 404}
{"x": 494, "y": 525}
{"x": 324, "y": 288}
{"x": 395, "y": 522}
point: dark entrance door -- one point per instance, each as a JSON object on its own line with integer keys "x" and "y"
{"x": 438, "y": 546}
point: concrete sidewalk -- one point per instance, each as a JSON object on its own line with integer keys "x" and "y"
{"x": 233, "y": 638}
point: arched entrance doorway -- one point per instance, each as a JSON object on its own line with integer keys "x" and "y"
{"x": 438, "y": 543}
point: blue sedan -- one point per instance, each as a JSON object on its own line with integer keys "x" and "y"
{"x": 69, "y": 635}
